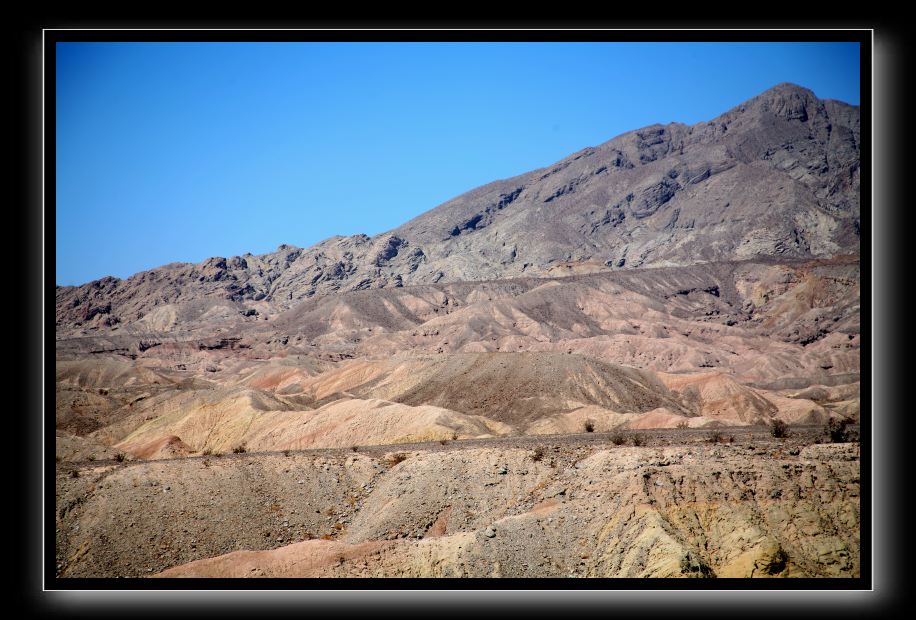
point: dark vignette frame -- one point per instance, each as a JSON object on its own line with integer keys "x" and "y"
{"x": 132, "y": 590}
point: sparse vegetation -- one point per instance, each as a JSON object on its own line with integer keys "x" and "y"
{"x": 354, "y": 448}
{"x": 683, "y": 424}
{"x": 538, "y": 454}
{"x": 119, "y": 457}
{"x": 779, "y": 429}
{"x": 835, "y": 429}
{"x": 207, "y": 452}
{"x": 239, "y": 449}
{"x": 206, "y": 462}
{"x": 454, "y": 435}
{"x": 396, "y": 458}
{"x": 589, "y": 425}
{"x": 717, "y": 436}
{"x": 692, "y": 566}
{"x": 74, "y": 473}
{"x": 618, "y": 439}
{"x": 777, "y": 563}
{"x": 286, "y": 453}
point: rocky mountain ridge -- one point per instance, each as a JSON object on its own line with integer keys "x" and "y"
{"x": 775, "y": 176}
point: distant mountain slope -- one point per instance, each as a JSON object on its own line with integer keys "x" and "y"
{"x": 792, "y": 322}
{"x": 775, "y": 176}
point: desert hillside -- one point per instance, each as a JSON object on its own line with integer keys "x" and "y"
{"x": 641, "y": 361}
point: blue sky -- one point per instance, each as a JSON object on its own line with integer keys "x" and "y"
{"x": 172, "y": 152}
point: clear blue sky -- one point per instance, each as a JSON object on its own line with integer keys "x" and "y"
{"x": 180, "y": 151}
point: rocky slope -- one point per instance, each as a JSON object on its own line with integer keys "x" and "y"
{"x": 412, "y": 398}
{"x": 776, "y": 176}
{"x": 754, "y": 508}
{"x": 762, "y": 321}
{"x": 728, "y": 344}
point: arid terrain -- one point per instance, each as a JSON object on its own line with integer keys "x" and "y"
{"x": 561, "y": 505}
{"x": 574, "y": 372}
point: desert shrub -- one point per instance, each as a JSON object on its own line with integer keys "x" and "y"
{"x": 354, "y": 448}
{"x": 239, "y": 449}
{"x": 693, "y": 566}
{"x": 207, "y": 452}
{"x": 91, "y": 457}
{"x": 398, "y": 457}
{"x": 779, "y": 429}
{"x": 119, "y": 457}
{"x": 206, "y": 462}
{"x": 454, "y": 435}
{"x": 589, "y": 426}
{"x": 683, "y": 424}
{"x": 637, "y": 440}
{"x": 835, "y": 429}
{"x": 618, "y": 439}
{"x": 286, "y": 453}
{"x": 715, "y": 436}
{"x": 777, "y": 563}
{"x": 74, "y": 474}
{"x": 538, "y": 454}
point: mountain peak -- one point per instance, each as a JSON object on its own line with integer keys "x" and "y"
{"x": 788, "y": 87}
{"x": 786, "y": 100}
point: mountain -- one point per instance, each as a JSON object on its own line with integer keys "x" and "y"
{"x": 777, "y": 176}
{"x": 579, "y": 371}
